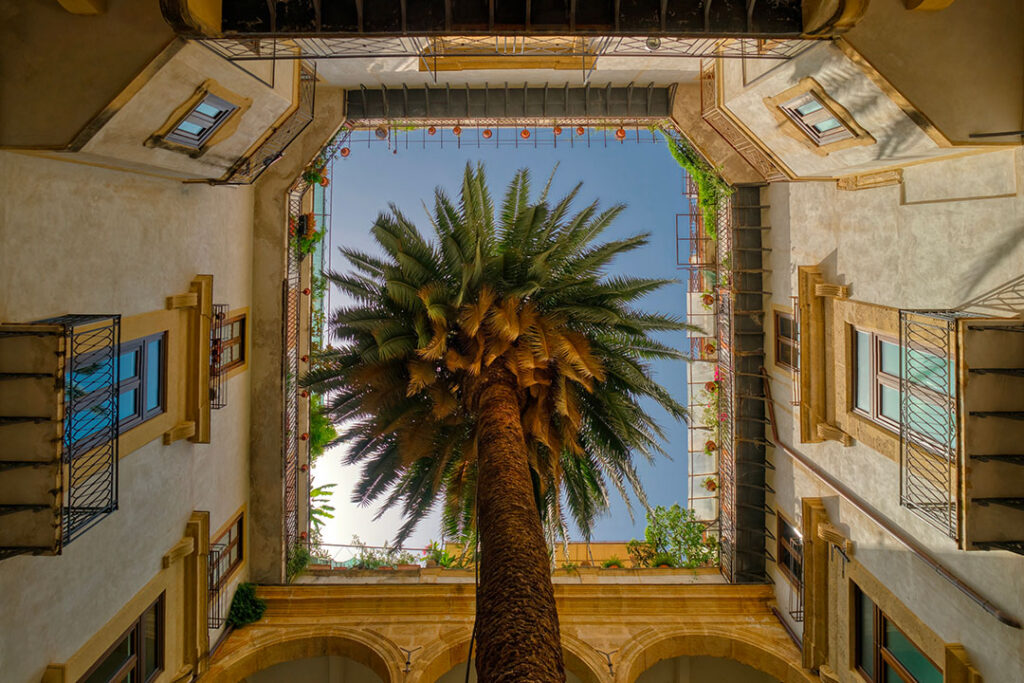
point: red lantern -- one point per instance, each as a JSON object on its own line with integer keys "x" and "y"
{"x": 457, "y": 130}
{"x": 305, "y": 359}
{"x": 620, "y": 134}
{"x": 304, "y": 437}
{"x": 304, "y": 394}
{"x": 304, "y": 468}
{"x": 579, "y": 130}
{"x": 487, "y": 133}
{"x": 524, "y": 134}
{"x": 306, "y": 291}
{"x": 345, "y": 151}
{"x": 558, "y": 130}
{"x": 431, "y": 130}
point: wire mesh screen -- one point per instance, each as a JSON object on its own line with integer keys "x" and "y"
{"x": 91, "y": 428}
{"x": 929, "y": 424}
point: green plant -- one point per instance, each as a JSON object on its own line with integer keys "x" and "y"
{"x": 570, "y": 566}
{"x": 246, "y": 608}
{"x": 299, "y": 558}
{"x": 439, "y": 555}
{"x": 675, "y": 531}
{"x": 664, "y": 560}
{"x": 612, "y": 562}
{"x": 711, "y": 189}
{"x": 319, "y": 510}
{"x": 640, "y": 552}
{"x": 321, "y": 430}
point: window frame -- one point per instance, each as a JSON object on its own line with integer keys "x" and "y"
{"x": 783, "y": 544}
{"x": 792, "y": 343}
{"x": 139, "y": 382}
{"x": 882, "y": 656}
{"x": 209, "y": 124}
{"x": 238, "y": 539}
{"x": 240, "y": 341}
{"x": 806, "y": 122}
{"x": 135, "y": 662}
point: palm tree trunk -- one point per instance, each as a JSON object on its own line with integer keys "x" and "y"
{"x": 516, "y": 620}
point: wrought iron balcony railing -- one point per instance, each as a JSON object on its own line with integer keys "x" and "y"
{"x": 218, "y": 374}
{"x": 216, "y": 612}
{"x": 58, "y": 430}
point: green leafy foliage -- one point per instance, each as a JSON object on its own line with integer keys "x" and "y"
{"x": 375, "y": 558}
{"x": 676, "y": 534}
{"x": 664, "y": 560}
{"x": 612, "y": 563}
{"x": 437, "y": 554}
{"x": 299, "y": 558}
{"x": 321, "y": 430}
{"x": 246, "y": 608}
{"x": 711, "y": 189}
{"x": 640, "y": 553}
{"x": 319, "y": 507}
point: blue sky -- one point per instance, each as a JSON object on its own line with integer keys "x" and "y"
{"x": 643, "y": 176}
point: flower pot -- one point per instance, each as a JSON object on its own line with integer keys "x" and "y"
{"x": 710, "y": 445}
{"x": 407, "y": 567}
{"x": 386, "y": 569}
{"x": 664, "y": 566}
{"x": 708, "y": 300}
{"x": 711, "y": 386}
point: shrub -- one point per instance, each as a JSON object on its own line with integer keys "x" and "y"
{"x": 665, "y": 559}
{"x": 612, "y": 562}
{"x": 298, "y": 559}
{"x": 640, "y": 553}
{"x": 245, "y": 606}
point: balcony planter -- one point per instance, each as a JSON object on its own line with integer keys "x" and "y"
{"x": 664, "y": 561}
{"x": 710, "y": 484}
{"x": 613, "y": 563}
{"x": 406, "y": 567}
{"x": 386, "y": 569}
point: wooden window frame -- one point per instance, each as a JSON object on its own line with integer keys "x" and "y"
{"x": 238, "y": 539}
{"x": 136, "y": 660}
{"x": 806, "y": 122}
{"x": 139, "y": 382}
{"x": 210, "y": 124}
{"x": 793, "y": 343}
{"x": 781, "y": 543}
{"x": 239, "y": 341}
{"x": 882, "y": 655}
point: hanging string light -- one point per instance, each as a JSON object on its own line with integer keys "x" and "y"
{"x": 457, "y": 130}
{"x": 558, "y": 130}
{"x": 580, "y": 130}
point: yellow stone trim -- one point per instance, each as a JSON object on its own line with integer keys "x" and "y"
{"x": 827, "y": 432}
{"x": 813, "y": 396}
{"x": 807, "y": 85}
{"x": 196, "y": 649}
{"x": 831, "y": 290}
{"x": 224, "y": 131}
{"x": 929, "y": 5}
{"x": 182, "y": 430}
{"x": 187, "y": 300}
{"x": 816, "y": 574}
{"x": 86, "y": 7}
{"x": 181, "y": 549}
{"x": 866, "y": 181}
{"x": 197, "y": 388}
{"x": 958, "y": 667}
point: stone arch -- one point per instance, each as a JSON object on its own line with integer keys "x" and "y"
{"x": 763, "y": 653}
{"x": 257, "y": 649}
{"x": 439, "y": 658}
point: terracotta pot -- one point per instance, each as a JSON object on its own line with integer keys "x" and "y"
{"x": 711, "y": 386}
{"x": 708, "y": 300}
{"x": 487, "y": 133}
{"x": 345, "y": 151}
{"x": 431, "y": 130}
{"x": 580, "y": 130}
{"x": 407, "y": 567}
{"x": 557, "y": 130}
{"x": 620, "y": 134}
{"x": 457, "y": 130}
{"x": 710, "y": 445}
{"x": 524, "y": 134}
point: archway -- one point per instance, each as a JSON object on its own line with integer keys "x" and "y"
{"x": 255, "y": 650}
{"x": 751, "y": 647}
{"x": 446, "y": 663}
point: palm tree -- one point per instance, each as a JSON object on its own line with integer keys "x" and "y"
{"x": 497, "y": 370}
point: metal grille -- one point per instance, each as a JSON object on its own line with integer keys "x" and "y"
{"x": 215, "y": 614}
{"x": 247, "y": 170}
{"x": 727, "y": 452}
{"x": 290, "y": 427}
{"x": 91, "y": 430}
{"x": 218, "y": 383}
{"x": 929, "y": 424}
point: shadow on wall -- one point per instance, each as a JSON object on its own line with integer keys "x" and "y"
{"x": 1007, "y": 297}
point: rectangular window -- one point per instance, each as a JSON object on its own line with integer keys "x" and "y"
{"x": 138, "y": 655}
{"x": 787, "y": 341}
{"x": 201, "y": 122}
{"x": 790, "y": 551}
{"x": 882, "y": 652}
{"x": 228, "y": 554}
{"x": 232, "y": 343}
{"x": 815, "y": 119}
{"x": 876, "y": 379}
{"x": 142, "y": 380}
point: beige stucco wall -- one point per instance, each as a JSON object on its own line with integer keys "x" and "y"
{"x": 85, "y": 239}
{"x": 121, "y": 139}
{"x": 700, "y": 669}
{"x": 898, "y": 139}
{"x": 316, "y": 670}
{"x": 951, "y": 232}
{"x": 79, "y": 62}
{"x": 974, "y": 49}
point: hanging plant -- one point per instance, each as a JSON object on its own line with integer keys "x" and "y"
{"x": 711, "y": 387}
{"x": 710, "y": 484}
{"x": 708, "y": 300}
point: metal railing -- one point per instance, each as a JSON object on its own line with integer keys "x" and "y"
{"x": 218, "y": 377}
{"x": 248, "y": 169}
{"x": 91, "y": 429}
{"x": 215, "y": 613}
{"x": 929, "y": 417}
{"x": 290, "y": 332}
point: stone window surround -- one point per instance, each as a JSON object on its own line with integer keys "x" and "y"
{"x": 808, "y": 86}
{"x": 224, "y": 130}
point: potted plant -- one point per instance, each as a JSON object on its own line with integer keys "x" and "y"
{"x": 613, "y": 563}
{"x": 664, "y": 560}
{"x": 709, "y": 347}
{"x": 710, "y": 484}
{"x": 711, "y": 387}
{"x": 708, "y": 299}
{"x": 710, "y": 446}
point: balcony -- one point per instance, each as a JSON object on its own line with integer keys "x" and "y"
{"x": 58, "y": 430}
{"x": 962, "y": 426}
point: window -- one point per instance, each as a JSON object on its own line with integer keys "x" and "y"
{"x": 226, "y": 553}
{"x": 815, "y": 119}
{"x": 787, "y": 344}
{"x": 201, "y": 122}
{"x": 790, "y": 551}
{"x": 876, "y": 390}
{"x": 138, "y": 655}
{"x": 142, "y": 379}
{"x": 882, "y": 653}
{"x": 232, "y": 343}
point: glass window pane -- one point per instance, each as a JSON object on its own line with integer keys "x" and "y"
{"x": 909, "y": 656}
{"x": 891, "y": 676}
{"x": 890, "y": 406}
{"x": 785, "y": 354}
{"x": 208, "y": 109}
{"x": 809, "y": 108}
{"x": 129, "y": 365}
{"x": 113, "y": 662}
{"x": 864, "y": 377}
{"x": 190, "y": 128}
{"x": 865, "y": 632}
{"x": 127, "y": 404}
{"x": 150, "y": 642}
{"x": 930, "y": 371}
{"x": 932, "y": 421}
{"x": 831, "y": 123}
{"x": 890, "y": 358}
{"x": 154, "y": 376}
{"x": 785, "y": 326}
